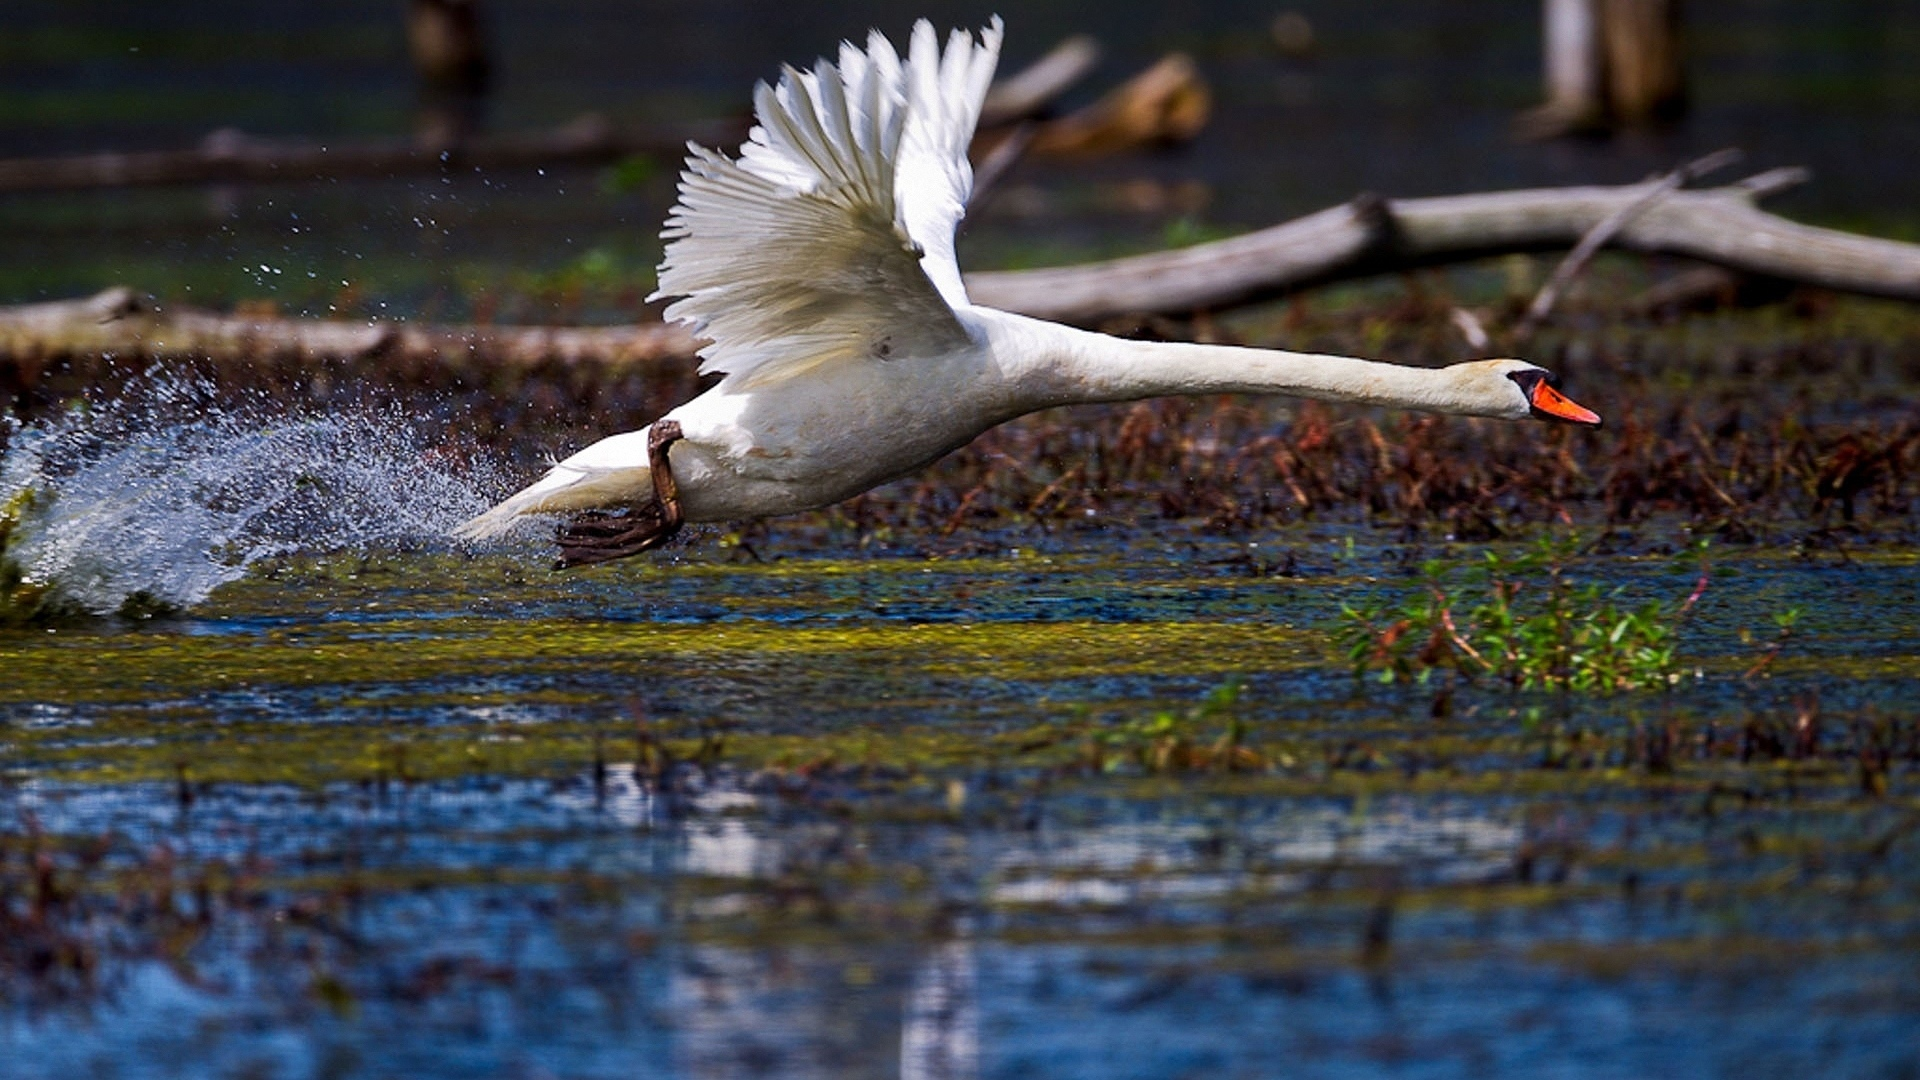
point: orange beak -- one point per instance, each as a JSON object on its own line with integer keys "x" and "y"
{"x": 1551, "y": 404}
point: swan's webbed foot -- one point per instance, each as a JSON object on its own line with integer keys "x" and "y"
{"x": 598, "y": 536}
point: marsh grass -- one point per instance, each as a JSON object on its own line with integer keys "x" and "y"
{"x": 1780, "y": 426}
{"x": 1527, "y": 621}
{"x": 1210, "y": 735}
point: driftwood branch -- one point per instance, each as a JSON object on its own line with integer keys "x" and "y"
{"x": 1609, "y": 226}
{"x": 1164, "y": 104}
{"x": 228, "y": 156}
{"x": 116, "y": 322}
{"x": 1032, "y": 90}
{"x": 1167, "y": 103}
{"x": 999, "y": 160}
{"x": 1722, "y": 226}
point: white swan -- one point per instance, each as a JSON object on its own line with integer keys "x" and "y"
{"x": 820, "y": 265}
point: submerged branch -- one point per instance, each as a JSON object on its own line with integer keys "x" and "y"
{"x": 1033, "y": 90}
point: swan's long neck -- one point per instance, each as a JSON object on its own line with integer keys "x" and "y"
{"x": 1075, "y": 366}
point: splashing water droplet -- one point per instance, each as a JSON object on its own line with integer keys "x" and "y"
{"x": 163, "y": 495}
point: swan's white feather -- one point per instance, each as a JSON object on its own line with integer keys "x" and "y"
{"x": 831, "y": 237}
{"x": 933, "y": 178}
{"x": 611, "y": 472}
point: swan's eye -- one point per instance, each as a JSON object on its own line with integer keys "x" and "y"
{"x": 1529, "y": 379}
{"x": 883, "y": 348}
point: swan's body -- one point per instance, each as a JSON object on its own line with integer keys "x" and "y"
{"x": 820, "y": 265}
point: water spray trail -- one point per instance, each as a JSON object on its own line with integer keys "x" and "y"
{"x": 164, "y": 494}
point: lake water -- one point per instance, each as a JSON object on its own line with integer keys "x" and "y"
{"x": 420, "y": 814}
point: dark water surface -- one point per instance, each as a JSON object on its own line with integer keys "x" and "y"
{"x": 399, "y": 815}
{"x": 1400, "y": 98}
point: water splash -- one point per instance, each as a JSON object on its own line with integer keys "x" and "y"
{"x": 160, "y": 496}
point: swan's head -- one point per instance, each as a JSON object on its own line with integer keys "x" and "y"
{"x": 1516, "y": 390}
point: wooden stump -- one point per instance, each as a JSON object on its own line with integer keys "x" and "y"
{"x": 1609, "y": 64}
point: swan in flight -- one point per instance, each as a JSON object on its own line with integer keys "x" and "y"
{"x": 819, "y": 266}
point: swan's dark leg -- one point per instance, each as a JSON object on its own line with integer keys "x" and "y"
{"x": 598, "y": 536}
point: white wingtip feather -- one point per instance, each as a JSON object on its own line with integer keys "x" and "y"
{"x": 773, "y": 255}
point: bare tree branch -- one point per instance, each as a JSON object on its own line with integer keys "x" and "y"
{"x": 117, "y": 322}
{"x": 230, "y": 157}
{"x": 1583, "y": 252}
{"x": 1032, "y": 90}
{"x": 1371, "y": 236}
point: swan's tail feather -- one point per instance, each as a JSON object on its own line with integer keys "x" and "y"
{"x": 499, "y": 519}
{"x": 488, "y": 525}
{"x": 563, "y": 489}
{"x": 608, "y": 473}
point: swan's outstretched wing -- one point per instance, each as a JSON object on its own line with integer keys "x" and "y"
{"x": 831, "y": 237}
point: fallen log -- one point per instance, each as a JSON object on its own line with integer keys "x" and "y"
{"x": 1721, "y": 226}
{"x": 116, "y": 322}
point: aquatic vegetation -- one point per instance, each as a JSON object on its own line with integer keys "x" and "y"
{"x": 1208, "y": 736}
{"x": 426, "y": 793}
{"x": 1532, "y": 626}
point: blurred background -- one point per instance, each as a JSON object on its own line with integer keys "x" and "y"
{"x": 1312, "y": 102}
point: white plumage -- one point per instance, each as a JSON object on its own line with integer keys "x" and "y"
{"x": 820, "y": 266}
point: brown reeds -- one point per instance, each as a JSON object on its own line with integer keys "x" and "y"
{"x": 1776, "y": 425}
{"x": 1235, "y": 466}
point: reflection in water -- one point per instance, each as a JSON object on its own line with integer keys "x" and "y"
{"x": 795, "y": 1011}
{"x": 756, "y": 1011}
{"x": 789, "y": 1011}
{"x": 940, "y": 1026}
{"x": 1127, "y": 864}
{"x": 664, "y": 923}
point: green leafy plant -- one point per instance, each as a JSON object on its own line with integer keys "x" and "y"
{"x": 1523, "y": 620}
{"x": 1208, "y": 736}
{"x": 1783, "y": 624}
